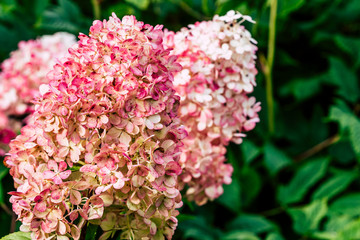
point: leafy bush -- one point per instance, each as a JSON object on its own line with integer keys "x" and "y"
{"x": 296, "y": 180}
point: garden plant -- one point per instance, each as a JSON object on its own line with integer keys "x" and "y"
{"x": 179, "y": 119}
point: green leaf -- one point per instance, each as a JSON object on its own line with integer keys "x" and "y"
{"x": 275, "y": 159}
{"x": 7, "y": 39}
{"x": 350, "y": 45}
{"x": 325, "y": 235}
{"x": 69, "y": 9}
{"x": 18, "y": 236}
{"x": 288, "y": 6}
{"x": 249, "y": 150}
{"x": 205, "y": 7}
{"x": 250, "y": 184}
{"x": 251, "y": 223}
{"x": 348, "y": 122}
{"x": 303, "y": 89}
{"x": 121, "y": 9}
{"x": 198, "y": 228}
{"x": 345, "y": 79}
{"x": 304, "y": 178}
{"x": 337, "y": 222}
{"x": 240, "y": 235}
{"x": 306, "y": 219}
{"x": 334, "y": 185}
{"x": 1, "y": 194}
{"x": 350, "y": 231}
{"x": 274, "y": 236}
{"x": 231, "y": 198}
{"x": 141, "y": 4}
{"x": 91, "y": 232}
{"x": 40, "y": 6}
{"x": 342, "y": 152}
{"x": 3, "y": 172}
{"x": 349, "y": 204}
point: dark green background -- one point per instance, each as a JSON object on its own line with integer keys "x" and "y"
{"x": 280, "y": 190}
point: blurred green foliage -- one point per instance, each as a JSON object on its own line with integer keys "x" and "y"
{"x": 300, "y": 183}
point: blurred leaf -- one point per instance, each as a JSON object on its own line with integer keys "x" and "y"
{"x": 64, "y": 17}
{"x": 345, "y": 79}
{"x": 249, "y": 150}
{"x": 274, "y": 236}
{"x": 7, "y": 39}
{"x": 288, "y": 6}
{"x": 325, "y": 235}
{"x": 17, "y": 236}
{"x": 205, "y": 7}
{"x": 350, "y": 45}
{"x": 250, "y": 184}
{"x": 348, "y": 122}
{"x": 350, "y": 231}
{"x": 69, "y": 9}
{"x": 198, "y": 228}
{"x": 91, "y": 232}
{"x": 306, "y": 219}
{"x": 6, "y": 8}
{"x": 334, "y": 185}
{"x": 286, "y": 59}
{"x": 275, "y": 159}
{"x": 225, "y": 5}
{"x": 337, "y": 222}
{"x": 251, "y": 223}
{"x": 240, "y": 235}
{"x": 1, "y": 194}
{"x": 121, "y": 9}
{"x": 342, "y": 152}
{"x": 40, "y": 6}
{"x": 185, "y": 217}
{"x": 141, "y": 4}
{"x": 349, "y": 204}
{"x": 302, "y": 89}
{"x": 231, "y": 198}
{"x": 304, "y": 178}
{"x": 3, "y": 171}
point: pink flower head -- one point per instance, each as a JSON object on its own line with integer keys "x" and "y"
{"x": 104, "y": 141}
{"x": 218, "y": 59}
{"x": 24, "y": 72}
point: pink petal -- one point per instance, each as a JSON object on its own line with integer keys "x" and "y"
{"x": 57, "y": 180}
{"x": 56, "y": 195}
{"x": 49, "y": 174}
{"x": 119, "y": 184}
{"x": 62, "y": 166}
{"x": 75, "y": 197}
{"x": 65, "y": 174}
{"x": 40, "y": 207}
{"x": 74, "y": 155}
{"x": 88, "y": 168}
{"x": 173, "y": 168}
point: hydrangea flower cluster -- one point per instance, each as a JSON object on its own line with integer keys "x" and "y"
{"x": 21, "y": 76}
{"x": 103, "y": 145}
{"x": 218, "y": 59}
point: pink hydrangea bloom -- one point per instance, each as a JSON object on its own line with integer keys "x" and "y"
{"x": 103, "y": 144}
{"x": 218, "y": 59}
{"x": 21, "y": 76}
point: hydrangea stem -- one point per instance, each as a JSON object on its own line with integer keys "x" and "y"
{"x": 96, "y": 8}
{"x": 270, "y": 63}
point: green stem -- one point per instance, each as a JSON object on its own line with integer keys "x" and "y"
{"x": 96, "y": 9}
{"x": 270, "y": 63}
